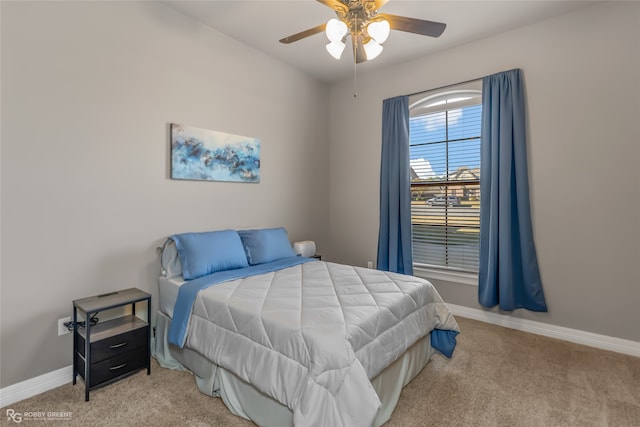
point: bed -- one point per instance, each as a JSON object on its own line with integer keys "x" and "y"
{"x": 286, "y": 340}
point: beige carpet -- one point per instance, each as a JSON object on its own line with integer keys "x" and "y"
{"x": 497, "y": 377}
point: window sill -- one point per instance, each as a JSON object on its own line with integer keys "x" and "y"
{"x": 462, "y": 278}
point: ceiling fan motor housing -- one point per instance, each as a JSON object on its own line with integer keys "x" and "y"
{"x": 357, "y": 14}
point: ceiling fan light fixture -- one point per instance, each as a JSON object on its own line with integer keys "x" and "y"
{"x": 379, "y": 30}
{"x": 336, "y": 30}
{"x": 368, "y": 29}
{"x": 335, "y": 49}
{"x": 372, "y": 49}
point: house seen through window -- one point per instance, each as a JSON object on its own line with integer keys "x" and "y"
{"x": 445, "y": 177}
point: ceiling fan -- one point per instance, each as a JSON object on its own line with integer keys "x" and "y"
{"x": 367, "y": 26}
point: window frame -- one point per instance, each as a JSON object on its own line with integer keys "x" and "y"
{"x": 422, "y": 104}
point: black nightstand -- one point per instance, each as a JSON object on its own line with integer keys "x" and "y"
{"x": 110, "y": 350}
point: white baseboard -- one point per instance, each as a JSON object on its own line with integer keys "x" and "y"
{"x": 25, "y": 389}
{"x": 590, "y": 339}
{"x": 28, "y": 388}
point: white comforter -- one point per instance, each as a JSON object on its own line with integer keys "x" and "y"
{"x": 311, "y": 336}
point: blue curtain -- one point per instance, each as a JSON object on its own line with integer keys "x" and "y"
{"x": 509, "y": 274}
{"x": 394, "y": 238}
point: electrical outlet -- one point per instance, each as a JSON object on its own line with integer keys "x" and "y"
{"x": 61, "y": 328}
{"x": 369, "y": 264}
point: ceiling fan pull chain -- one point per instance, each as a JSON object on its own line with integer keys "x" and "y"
{"x": 354, "y": 43}
{"x": 355, "y": 74}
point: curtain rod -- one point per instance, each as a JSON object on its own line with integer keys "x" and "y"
{"x": 446, "y": 86}
{"x": 459, "y": 83}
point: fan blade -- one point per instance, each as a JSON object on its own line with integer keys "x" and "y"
{"x": 360, "y": 54}
{"x": 336, "y": 5}
{"x": 413, "y": 25}
{"x": 301, "y": 35}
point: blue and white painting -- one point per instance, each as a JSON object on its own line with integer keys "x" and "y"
{"x": 202, "y": 154}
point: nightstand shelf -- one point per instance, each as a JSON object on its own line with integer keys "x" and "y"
{"x": 110, "y": 350}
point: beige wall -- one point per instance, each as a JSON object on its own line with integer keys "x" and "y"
{"x": 88, "y": 92}
{"x": 581, "y": 73}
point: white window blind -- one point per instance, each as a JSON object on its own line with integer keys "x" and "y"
{"x": 445, "y": 177}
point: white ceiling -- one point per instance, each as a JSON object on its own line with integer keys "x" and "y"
{"x": 261, "y": 23}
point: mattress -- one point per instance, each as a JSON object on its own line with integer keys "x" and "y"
{"x": 169, "y": 288}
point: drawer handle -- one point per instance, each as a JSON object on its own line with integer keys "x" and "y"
{"x": 118, "y": 345}
{"x": 115, "y": 368}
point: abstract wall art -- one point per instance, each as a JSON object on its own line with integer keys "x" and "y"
{"x": 207, "y": 155}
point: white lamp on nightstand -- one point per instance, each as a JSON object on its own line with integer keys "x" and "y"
{"x": 306, "y": 248}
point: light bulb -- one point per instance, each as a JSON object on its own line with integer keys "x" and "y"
{"x": 336, "y": 30}
{"x": 372, "y": 49}
{"x": 379, "y": 31}
{"x": 336, "y": 48}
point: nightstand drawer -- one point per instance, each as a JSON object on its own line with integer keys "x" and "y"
{"x": 114, "y": 367}
{"x": 115, "y": 345}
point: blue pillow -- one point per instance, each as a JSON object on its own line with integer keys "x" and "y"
{"x": 205, "y": 253}
{"x": 266, "y": 245}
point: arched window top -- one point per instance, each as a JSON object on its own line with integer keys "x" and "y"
{"x": 450, "y": 98}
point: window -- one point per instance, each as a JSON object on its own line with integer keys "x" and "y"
{"x": 445, "y": 177}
